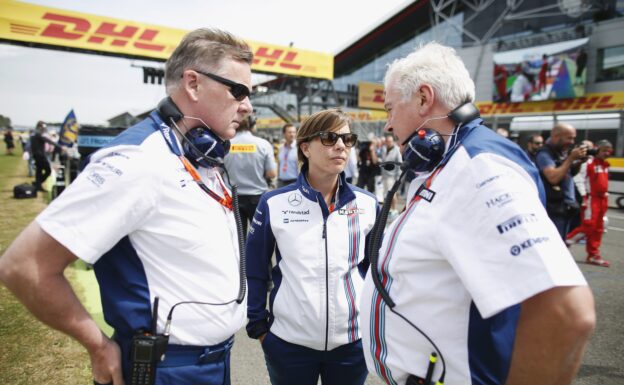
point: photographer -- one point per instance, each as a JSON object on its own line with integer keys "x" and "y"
{"x": 557, "y": 162}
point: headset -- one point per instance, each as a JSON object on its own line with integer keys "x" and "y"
{"x": 206, "y": 149}
{"x": 424, "y": 151}
{"x": 425, "y": 148}
{"x": 200, "y": 145}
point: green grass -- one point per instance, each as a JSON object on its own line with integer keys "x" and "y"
{"x": 30, "y": 352}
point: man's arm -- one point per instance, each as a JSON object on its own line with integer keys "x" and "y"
{"x": 270, "y": 174}
{"x": 555, "y": 175}
{"x": 32, "y": 268}
{"x": 551, "y": 336}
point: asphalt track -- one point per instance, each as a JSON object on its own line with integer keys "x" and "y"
{"x": 603, "y": 362}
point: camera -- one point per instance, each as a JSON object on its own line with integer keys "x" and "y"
{"x": 592, "y": 151}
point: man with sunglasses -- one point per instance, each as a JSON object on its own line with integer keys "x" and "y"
{"x": 142, "y": 215}
{"x": 533, "y": 145}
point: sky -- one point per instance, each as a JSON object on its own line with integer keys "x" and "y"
{"x": 39, "y": 84}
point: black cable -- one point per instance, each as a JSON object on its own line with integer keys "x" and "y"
{"x": 378, "y": 229}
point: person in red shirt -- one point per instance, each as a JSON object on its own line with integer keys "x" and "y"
{"x": 596, "y": 200}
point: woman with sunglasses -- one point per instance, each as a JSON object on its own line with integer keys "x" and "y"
{"x": 318, "y": 229}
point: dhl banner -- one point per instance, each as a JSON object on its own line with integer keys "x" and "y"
{"x": 44, "y": 26}
{"x": 608, "y": 101}
{"x": 371, "y": 95}
{"x": 356, "y": 115}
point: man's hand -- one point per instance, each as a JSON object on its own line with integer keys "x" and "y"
{"x": 577, "y": 153}
{"x": 106, "y": 363}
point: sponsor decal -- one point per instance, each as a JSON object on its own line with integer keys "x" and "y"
{"x": 110, "y": 167}
{"x": 296, "y": 212}
{"x": 96, "y": 178}
{"x": 243, "y": 148}
{"x": 256, "y": 222}
{"x": 515, "y": 221}
{"x": 500, "y": 200}
{"x": 488, "y": 180}
{"x": 426, "y": 194}
{"x": 290, "y": 220}
{"x": 515, "y": 250}
{"x": 295, "y": 199}
{"x": 182, "y": 182}
{"x": 355, "y": 210}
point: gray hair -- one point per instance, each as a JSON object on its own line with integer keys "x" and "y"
{"x": 204, "y": 49}
{"x": 438, "y": 66}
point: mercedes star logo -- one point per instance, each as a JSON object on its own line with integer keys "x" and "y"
{"x": 295, "y": 199}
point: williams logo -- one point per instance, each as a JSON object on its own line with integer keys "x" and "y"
{"x": 296, "y": 212}
{"x": 426, "y": 194}
{"x": 515, "y": 221}
{"x": 295, "y": 199}
{"x": 500, "y": 200}
{"x": 517, "y": 249}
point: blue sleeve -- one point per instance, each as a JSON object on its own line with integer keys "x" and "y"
{"x": 543, "y": 160}
{"x": 259, "y": 249}
{"x": 363, "y": 266}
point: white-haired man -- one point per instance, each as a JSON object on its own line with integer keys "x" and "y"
{"x": 476, "y": 271}
{"x": 153, "y": 226}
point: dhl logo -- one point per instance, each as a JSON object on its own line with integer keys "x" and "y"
{"x": 589, "y": 103}
{"x": 73, "y": 28}
{"x": 269, "y": 57}
{"x": 379, "y": 97}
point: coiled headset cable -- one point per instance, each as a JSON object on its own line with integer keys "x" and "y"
{"x": 378, "y": 230}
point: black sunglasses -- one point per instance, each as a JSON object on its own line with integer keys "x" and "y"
{"x": 238, "y": 91}
{"x": 329, "y": 138}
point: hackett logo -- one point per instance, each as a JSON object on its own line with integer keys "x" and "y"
{"x": 74, "y": 28}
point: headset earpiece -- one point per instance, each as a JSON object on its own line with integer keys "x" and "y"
{"x": 203, "y": 148}
{"x": 424, "y": 149}
{"x": 200, "y": 145}
{"x": 168, "y": 111}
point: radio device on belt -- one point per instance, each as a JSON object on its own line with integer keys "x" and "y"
{"x": 147, "y": 349}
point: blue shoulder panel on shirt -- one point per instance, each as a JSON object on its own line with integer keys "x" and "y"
{"x": 136, "y": 134}
{"x": 480, "y": 139}
{"x": 124, "y": 289}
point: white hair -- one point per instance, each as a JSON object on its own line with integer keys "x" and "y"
{"x": 438, "y": 66}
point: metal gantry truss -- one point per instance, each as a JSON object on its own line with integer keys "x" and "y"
{"x": 444, "y": 10}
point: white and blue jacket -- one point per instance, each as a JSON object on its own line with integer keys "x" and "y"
{"x": 320, "y": 264}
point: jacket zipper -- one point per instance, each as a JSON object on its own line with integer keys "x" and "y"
{"x": 326, "y": 284}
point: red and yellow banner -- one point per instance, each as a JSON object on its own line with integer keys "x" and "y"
{"x": 356, "y": 115}
{"x": 608, "y": 101}
{"x": 371, "y": 95}
{"x": 44, "y": 26}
